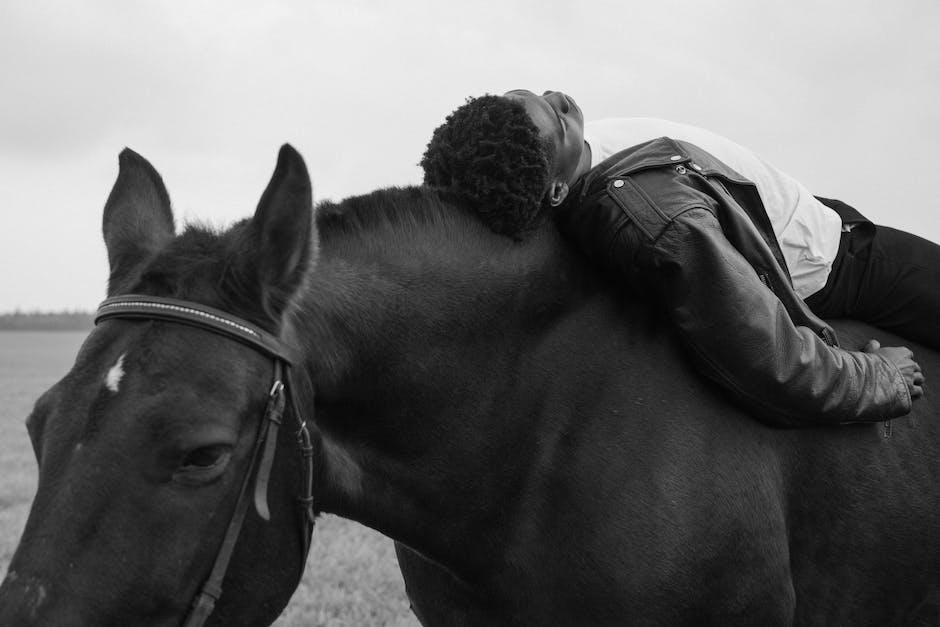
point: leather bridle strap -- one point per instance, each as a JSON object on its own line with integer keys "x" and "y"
{"x": 305, "y": 444}
{"x": 195, "y": 314}
{"x": 211, "y": 590}
{"x": 262, "y": 455}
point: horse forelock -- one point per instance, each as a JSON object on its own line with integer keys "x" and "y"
{"x": 208, "y": 265}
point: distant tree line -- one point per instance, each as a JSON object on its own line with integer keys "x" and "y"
{"x": 47, "y": 321}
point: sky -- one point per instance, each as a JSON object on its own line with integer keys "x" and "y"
{"x": 844, "y": 95}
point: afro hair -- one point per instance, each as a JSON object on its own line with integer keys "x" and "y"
{"x": 490, "y": 155}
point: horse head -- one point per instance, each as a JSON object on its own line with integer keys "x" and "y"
{"x": 143, "y": 444}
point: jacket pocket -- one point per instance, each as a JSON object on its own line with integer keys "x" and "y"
{"x": 638, "y": 207}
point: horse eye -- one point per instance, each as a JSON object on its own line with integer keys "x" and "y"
{"x": 207, "y": 456}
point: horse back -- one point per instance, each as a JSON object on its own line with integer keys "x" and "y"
{"x": 659, "y": 500}
{"x": 863, "y": 507}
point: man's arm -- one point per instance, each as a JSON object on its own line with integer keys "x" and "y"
{"x": 737, "y": 329}
{"x": 745, "y": 340}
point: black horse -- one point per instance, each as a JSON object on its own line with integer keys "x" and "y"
{"x": 530, "y": 436}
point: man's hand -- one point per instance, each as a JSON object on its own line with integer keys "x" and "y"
{"x": 903, "y": 358}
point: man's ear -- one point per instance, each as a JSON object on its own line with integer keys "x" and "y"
{"x": 557, "y": 192}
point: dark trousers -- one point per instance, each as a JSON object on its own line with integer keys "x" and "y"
{"x": 885, "y": 277}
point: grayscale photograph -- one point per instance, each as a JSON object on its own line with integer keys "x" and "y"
{"x": 497, "y": 313}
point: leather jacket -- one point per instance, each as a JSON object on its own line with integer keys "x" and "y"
{"x": 674, "y": 220}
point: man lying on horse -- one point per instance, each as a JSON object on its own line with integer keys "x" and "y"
{"x": 729, "y": 245}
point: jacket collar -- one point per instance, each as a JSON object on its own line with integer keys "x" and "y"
{"x": 652, "y": 154}
{"x": 657, "y": 153}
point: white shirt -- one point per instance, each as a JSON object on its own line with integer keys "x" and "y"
{"x": 807, "y": 230}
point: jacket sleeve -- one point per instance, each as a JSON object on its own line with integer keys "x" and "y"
{"x": 738, "y": 331}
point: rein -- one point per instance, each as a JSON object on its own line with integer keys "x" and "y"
{"x": 262, "y": 456}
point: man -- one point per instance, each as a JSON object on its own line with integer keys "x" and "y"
{"x": 674, "y": 220}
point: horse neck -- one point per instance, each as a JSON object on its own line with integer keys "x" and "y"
{"x": 425, "y": 386}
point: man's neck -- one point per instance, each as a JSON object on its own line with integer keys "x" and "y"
{"x": 584, "y": 163}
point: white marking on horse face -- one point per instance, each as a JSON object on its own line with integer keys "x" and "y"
{"x": 36, "y": 592}
{"x": 112, "y": 380}
{"x": 40, "y": 597}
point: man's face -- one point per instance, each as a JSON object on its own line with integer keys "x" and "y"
{"x": 559, "y": 119}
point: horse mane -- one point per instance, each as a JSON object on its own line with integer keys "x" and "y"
{"x": 392, "y": 209}
{"x": 205, "y": 251}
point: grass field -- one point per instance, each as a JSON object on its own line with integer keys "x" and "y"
{"x": 352, "y": 576}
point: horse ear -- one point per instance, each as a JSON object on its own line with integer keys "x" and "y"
{"x": 138, "y": 220}
{"x": 284, "y": 232}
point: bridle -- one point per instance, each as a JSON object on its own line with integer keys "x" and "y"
{"x": 262, "y": 457}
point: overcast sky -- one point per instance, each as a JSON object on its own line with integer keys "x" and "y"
{"x": 844, "y": 95}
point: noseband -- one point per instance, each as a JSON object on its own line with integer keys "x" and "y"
{"x": 262, "y": 457}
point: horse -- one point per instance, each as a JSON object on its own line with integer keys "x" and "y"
{"x": 528, "y": 432}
